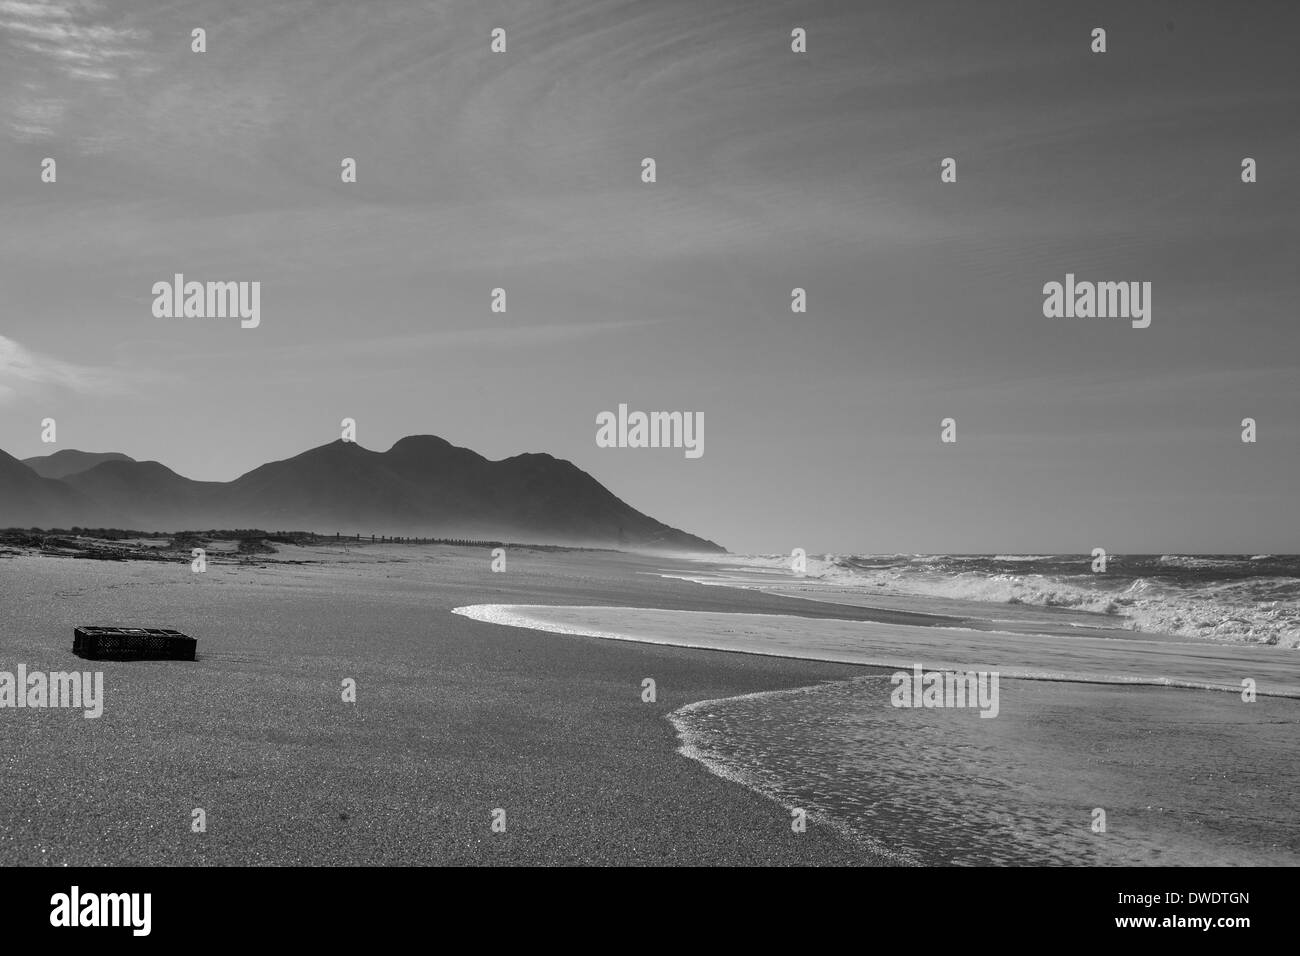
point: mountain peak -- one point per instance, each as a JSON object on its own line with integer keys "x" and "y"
{"x": 421, "y": 441}
{"x": 70, "y": 461}
{"x": 422, "y": 486}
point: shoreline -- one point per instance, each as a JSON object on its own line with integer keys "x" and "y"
{"x": 454, "y": 717}
{"x": 747, "y": 739}
{"x": 643, "y": 625}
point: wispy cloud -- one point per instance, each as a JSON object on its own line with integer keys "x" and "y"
{"x": 39, "y": 9}
{"x": 60, "y": 31}
{"x": 55, "y": 42}
{"x": 25, "y": 372}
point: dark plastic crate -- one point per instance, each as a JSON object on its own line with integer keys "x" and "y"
{"x": 132, "y": 644}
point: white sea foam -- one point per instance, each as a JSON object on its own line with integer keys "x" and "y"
{"x": 1242, "y": 609}
{"x": 698, "y": 745}
{"x": 861, "y": 768}
{"x": 946, "y": 789}
{"x": 1082, "y": 659}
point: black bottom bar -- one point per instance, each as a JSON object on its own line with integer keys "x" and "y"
{"x": 949, "y": 907}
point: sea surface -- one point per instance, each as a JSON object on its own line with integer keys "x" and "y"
{"x": 1229, "y": 597}
{"x": 1124, "y": 733}
{"x": 1150, "y": 727}
{"x": 1185, "y": 776}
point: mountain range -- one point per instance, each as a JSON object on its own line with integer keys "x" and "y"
{"x": 421, "y": 487}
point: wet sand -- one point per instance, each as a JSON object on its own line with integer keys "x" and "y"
{"x": 1176, "y": 777}
{"x": 453, "y": 719}
{"x": 1156, "y": 734}
{"x": 1123, "y": 657}
{"x": 456, "y": 717}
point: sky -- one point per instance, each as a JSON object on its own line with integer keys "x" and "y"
{"x": 775, "y": 170}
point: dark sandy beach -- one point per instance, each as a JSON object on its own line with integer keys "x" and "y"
{"x": 453, "y": 719}
{"x": 456, "y": 718}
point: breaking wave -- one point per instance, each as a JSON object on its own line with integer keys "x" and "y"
{"x": 1236, "y": 598}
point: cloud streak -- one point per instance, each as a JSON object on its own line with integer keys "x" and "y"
{"x": 23, "y": 372}
{"x": 58, "y": 48}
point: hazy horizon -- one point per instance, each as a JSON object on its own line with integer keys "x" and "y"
{"x": 776, "y": 170}
{"x": 815, "y": 550}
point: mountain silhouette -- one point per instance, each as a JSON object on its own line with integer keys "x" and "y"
{"x": 421, "y": 487}
{"x": 70, "y": 462}
{"x": 146, "y": 495}
{"x": 28, "y": 500}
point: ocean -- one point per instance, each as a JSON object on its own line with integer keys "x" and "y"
{"x": 1124, "y": 734}
{"x": 1236, "y": 598}
{"x": 1151, "y": 730}
{"x": 1182, "y": 777}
